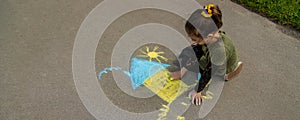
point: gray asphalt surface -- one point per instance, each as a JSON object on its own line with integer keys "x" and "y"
{"x": 36, "y": 81}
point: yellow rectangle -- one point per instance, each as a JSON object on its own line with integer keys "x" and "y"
{"x": 165, "y": 88}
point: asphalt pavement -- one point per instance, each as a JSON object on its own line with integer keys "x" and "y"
{"x": 36, "y": 47}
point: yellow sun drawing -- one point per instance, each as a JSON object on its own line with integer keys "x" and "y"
{"x": 153, "y": 54}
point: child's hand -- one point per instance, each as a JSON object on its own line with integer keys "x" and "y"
{"x": 176, "y": 75}
{"x": 196, "y": 97}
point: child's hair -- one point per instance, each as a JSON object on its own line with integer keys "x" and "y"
{"x": 204, "y": 21}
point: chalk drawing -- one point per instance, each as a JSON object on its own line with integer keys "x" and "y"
{"x": 152, "y": 54}
{"x": 180, "y": 118}
{"x": 105, "y": 70}
{"x": 156, "y": 77}
{"x": 141, "y": 70}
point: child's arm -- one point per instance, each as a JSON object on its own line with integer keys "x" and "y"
{"x": 214, "y": 73}
{"x": 178, "y": 74}
{"x": 188, "y": 62}
{"x": 196, "y": 94}
{"x": 216, "y": 69}
{"x": 205, "y": 78}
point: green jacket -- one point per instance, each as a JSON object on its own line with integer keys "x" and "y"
{"x": 213, "y": 60}
{"x": 217, "y": 50}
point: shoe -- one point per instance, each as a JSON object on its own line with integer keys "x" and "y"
{"x": 235, "y": 72}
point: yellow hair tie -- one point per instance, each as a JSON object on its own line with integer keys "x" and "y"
{"x": 208, "y": 11}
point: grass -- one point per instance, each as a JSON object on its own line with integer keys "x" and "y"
{"x": 286, "y": 12}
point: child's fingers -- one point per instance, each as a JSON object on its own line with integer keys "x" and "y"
{"x": 199, "y": 100}
{"x": 193, "y": 99}
{"x": 210, "y": 35}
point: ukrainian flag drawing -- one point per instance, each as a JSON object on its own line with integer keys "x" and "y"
{"x": 155, "y": 77}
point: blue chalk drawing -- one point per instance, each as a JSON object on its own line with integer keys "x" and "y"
{"x": 141, "y": 69}
{"x": 105, "y": 70}
{"x": 127, "y": 73}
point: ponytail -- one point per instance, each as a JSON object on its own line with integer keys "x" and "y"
{"x": 214, "y": 12}
{"x": 217, "y": 16}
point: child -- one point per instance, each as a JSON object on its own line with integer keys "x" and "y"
{"x": 212, "y": 52}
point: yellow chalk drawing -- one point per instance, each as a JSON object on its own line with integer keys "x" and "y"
{"x": 208, "y": 95}
{"x": 164, "y": 86}
{"x": 180, "y": 118}
{"x": 193, "y": 85}
{"x": 208, "y": 83}
{"x": 164, "y": 111}
{"x": 152, "y": 54}
{"x": 167, "y": 89}
{"x": 183, "y": 103}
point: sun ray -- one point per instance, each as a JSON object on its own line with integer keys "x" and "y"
{"x": 160, "y": 52}
{"x": 153, "y": 54}
{"x": 143, "y": 52}
{"x": 164, "y": 58}
{"x": 158, "y": 60}
{"x": 147, "y": 49}
{"x": 155, "y": 48}
{"x": 143, "y": 56}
